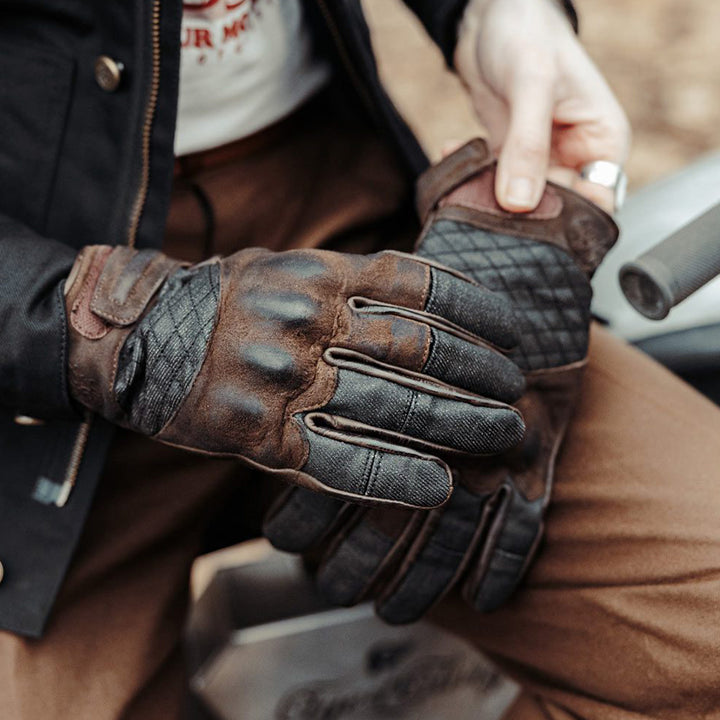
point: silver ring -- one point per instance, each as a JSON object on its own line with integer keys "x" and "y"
{"x": 609, "y": 175}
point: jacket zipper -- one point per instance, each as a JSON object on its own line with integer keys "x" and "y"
{"x": 75, "y": 459}
{"x": 345, "y": 58}
{"x": 142, "y": 192}
{"x": 83, "y": 433}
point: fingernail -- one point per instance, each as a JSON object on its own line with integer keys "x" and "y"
{"x": 520, "y": 192}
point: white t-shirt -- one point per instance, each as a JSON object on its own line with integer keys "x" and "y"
{"x": 245, "y": 64}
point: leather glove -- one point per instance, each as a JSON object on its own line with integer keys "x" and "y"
{"x": 487, "y": 534}
{"x": 350, "y": 375}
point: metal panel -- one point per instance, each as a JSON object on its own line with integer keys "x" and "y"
{"x": 331, "y": 664}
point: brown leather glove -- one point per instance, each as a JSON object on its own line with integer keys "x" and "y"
{"x": 488, "y": 532}
{"x": 345, "y": 374}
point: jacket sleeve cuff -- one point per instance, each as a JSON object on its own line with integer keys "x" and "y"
{"x": 441, "y": 19}
{"x": 33, "y": 327}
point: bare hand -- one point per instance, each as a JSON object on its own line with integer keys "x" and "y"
{"x": 547, "y": 108}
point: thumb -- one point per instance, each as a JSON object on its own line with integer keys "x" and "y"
{"x": 525, "y": 154}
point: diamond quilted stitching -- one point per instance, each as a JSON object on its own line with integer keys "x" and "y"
{"x": 549, "y": 291}
{"x": 160, "y": 360}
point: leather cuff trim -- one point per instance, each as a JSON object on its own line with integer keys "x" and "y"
{"x": 453, "y": 171}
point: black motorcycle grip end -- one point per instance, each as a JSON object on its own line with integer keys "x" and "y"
{"x": 675, "y": 268}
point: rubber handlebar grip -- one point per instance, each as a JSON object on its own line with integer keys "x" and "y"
{"x": 675, "y": 268}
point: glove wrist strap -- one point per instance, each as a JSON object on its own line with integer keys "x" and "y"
{"x": 106, "y": 293}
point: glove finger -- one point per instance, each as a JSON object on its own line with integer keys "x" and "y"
{"x": 471, "y": 307}
{"x": 514, "y": 535}
{"x": 360, "y": 467}
{"x": 376, "y": 331}
{"x": 422, "y": 285}
{"x": 417, "y": 410}
{"x": 436, "y": 559}
{"x": 365, "y": 549}
{"x": 300, "y": 519}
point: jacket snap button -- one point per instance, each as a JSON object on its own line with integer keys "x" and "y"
{"x": 108, "y": 73}
{"x": 2, "y": 572}
{"x": 28, "y": 421}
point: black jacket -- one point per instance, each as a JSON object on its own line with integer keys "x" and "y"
{"x": 86, "y": 158}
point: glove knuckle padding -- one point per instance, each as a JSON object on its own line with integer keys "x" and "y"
{"x": 389, "y": 338}
{"x": 392, "y": 277}
{"x": 265, "y": 354}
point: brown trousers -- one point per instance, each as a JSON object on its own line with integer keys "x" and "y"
{"x": 619, "y": 618}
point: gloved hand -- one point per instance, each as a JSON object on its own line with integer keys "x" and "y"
{"x": 345, "y": 374}
{"x": 487, "y": 534}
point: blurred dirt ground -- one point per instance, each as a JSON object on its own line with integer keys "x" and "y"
{"x": 662, "y": 58}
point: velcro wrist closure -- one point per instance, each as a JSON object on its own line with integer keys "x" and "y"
{"x": 127, "y": 283}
